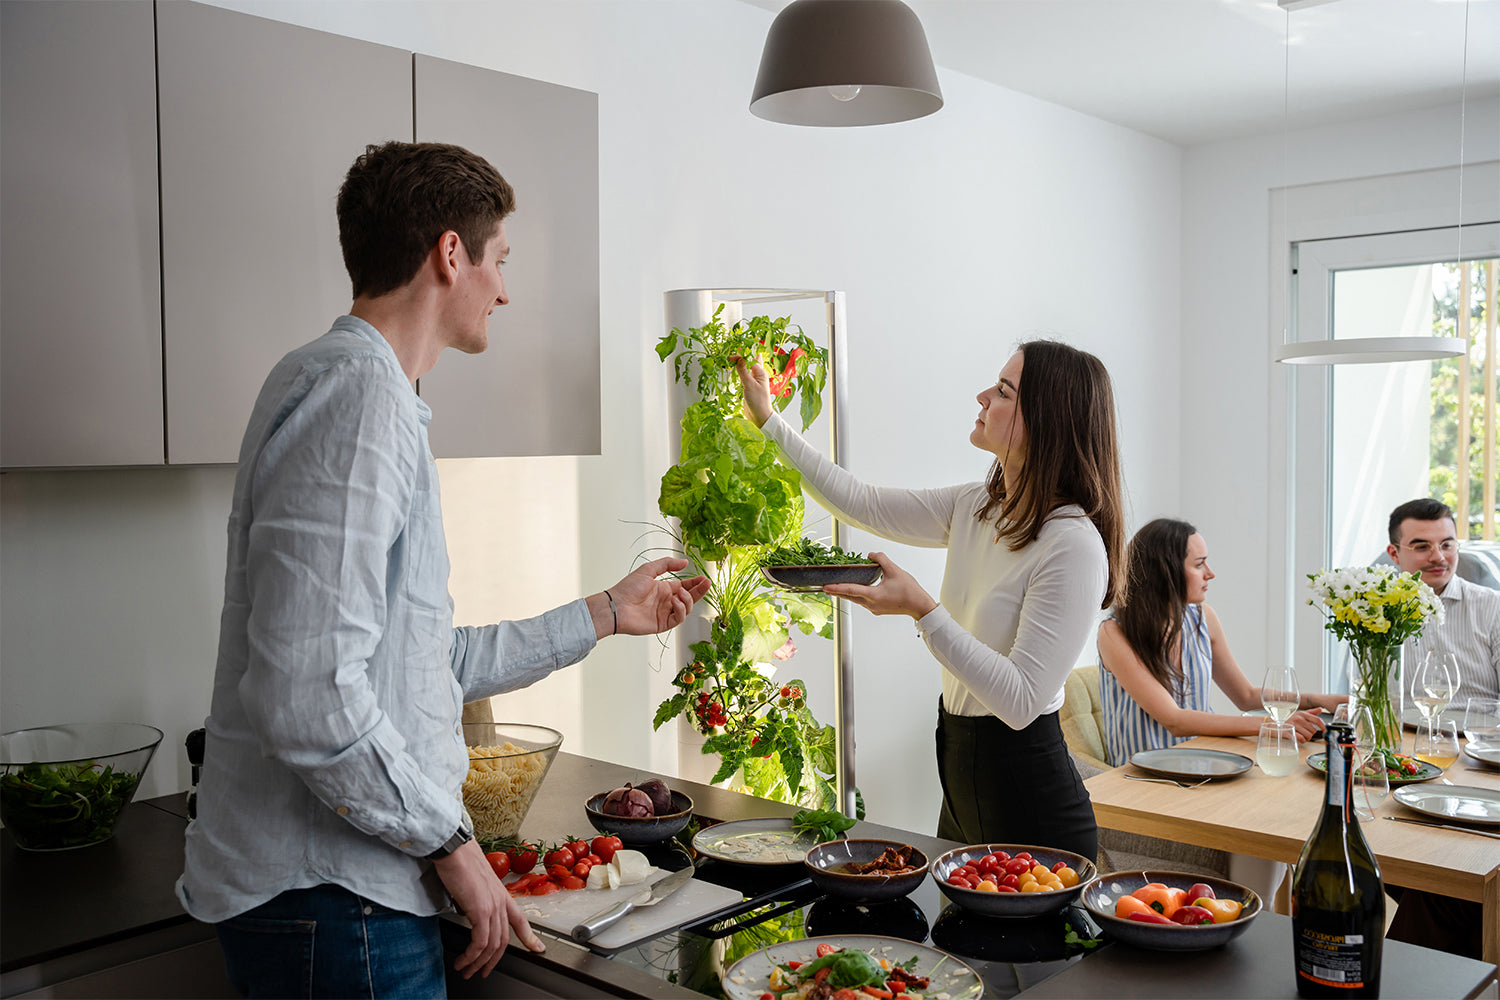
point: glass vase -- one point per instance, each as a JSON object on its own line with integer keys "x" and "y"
{"x": 1376, "y": 682}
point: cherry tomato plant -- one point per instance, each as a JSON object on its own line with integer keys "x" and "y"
{"x": 734, "y": 499}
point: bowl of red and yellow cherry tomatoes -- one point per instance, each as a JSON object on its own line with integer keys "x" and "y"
{"x": 1170, "y": 911}
{"x": 1012, "y": 880}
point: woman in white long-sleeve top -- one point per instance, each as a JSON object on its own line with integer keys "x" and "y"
{"x": 1033, "y": 555}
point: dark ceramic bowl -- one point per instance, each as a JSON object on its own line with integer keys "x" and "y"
{"x": 641, "y": 829}
{"x": 1100, "y": 899}
{"x": 811, "y": 578}
{"x": 824, "y": 862}
{"x": 1012, "y": 904}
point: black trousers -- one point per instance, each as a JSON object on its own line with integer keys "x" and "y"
{"x": 1009, "y": 786}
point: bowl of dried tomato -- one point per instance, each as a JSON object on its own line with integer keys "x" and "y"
{"x": 865, "y": 870}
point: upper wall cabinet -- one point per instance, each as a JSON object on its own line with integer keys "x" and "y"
{"x": 80, "y": 279}
{"x": 536, "y": 390}
{"x": 259, "y": 122}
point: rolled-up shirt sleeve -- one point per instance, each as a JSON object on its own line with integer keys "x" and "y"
{"x": 331, "y": 496}
{"x": 493, "y": 659}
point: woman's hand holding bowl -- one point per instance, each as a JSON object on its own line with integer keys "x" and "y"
{"x": 897, "y": 593}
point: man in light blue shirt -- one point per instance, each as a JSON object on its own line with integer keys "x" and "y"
{"x": 330, "y": 828}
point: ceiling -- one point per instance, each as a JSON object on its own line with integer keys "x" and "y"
{"x": 1195, "y": 71}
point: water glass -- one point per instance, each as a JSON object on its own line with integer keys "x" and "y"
{"x": 1276, "y": 748}
{"x": 1482, "y": 721}
{"x": 1438, "y": 745}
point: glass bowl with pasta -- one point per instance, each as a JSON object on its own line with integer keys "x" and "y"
{"x": 507, "y": 762}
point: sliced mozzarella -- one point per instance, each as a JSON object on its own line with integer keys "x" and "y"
{"x": 612, "y": 875}
{"x": 631, "y": 866}
{"x": 599, "y": 877}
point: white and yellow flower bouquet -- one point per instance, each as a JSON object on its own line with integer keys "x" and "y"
{"x": 1375, "y": 609}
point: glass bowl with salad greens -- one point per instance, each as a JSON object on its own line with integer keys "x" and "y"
{"x": 807, "y": 565}
{"x": 65, "y": 786}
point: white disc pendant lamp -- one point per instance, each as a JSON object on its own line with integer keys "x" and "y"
{"x": 845, "y": 62}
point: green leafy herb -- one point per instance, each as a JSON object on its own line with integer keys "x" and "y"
{"x": 850, "y": 969}
{"x": 48, "y": 806}
{"x": 1073, "y": 940}
{"x": 806, "y": 552}
{"x": 825, "y": 824}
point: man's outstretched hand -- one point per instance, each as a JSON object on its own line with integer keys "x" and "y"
{"x": 644, "y": 604}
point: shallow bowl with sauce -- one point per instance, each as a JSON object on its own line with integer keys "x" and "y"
{"x": 828, "y": 867}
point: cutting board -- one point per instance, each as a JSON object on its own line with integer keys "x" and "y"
{"x": 560, "y": 912}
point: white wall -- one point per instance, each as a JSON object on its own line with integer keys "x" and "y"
{"x": 999, "y": 219}
{"x": 1226, "y": 292}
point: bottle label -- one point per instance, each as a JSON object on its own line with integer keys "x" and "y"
{"x": 1331, "y": 959}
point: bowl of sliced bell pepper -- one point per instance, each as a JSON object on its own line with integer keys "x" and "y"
{"x": 1170, "y": 911}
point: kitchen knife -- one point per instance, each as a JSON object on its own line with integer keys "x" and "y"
{"x": 649, "y": 896}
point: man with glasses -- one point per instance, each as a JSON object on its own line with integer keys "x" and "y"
{"x": 1424, "y": 540}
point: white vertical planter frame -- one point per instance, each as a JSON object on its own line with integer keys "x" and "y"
{"x": 692, "y": 307}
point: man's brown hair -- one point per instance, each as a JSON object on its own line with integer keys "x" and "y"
{"x": 399, "y": 197}
{"x": 1072, "y": 455}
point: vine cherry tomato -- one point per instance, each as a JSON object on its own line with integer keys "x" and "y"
{"x": 582, "y": 868}
{"x": 522, "y": 859}
{"x": 605, "y": 847}
{"x": 499, "y": 863}
{"x": 580, "y": 849}
{"x": 571, "y": 882}
{"x": 561, "y": 856}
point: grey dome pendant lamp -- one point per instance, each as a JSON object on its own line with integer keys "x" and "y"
{"x": 845, "y": 62}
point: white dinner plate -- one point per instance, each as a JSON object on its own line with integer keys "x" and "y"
{"x": 1461, "y": 802}
{"x": 750, "y": 977}
{"x": 1175, "y": 762}
{"x": 1487, "y": 754}
{"x": 755, "y": 842}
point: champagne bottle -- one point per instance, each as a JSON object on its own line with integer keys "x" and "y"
{"x": 1338, "y": 904}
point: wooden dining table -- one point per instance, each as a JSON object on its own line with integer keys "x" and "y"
{"x": 1266, "y": 817}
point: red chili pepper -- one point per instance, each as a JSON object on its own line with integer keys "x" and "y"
{"x": 1142, "y": 917}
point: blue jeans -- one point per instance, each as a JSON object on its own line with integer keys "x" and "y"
{"x": 329, "y": 942}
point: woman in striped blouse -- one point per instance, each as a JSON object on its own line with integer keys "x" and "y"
{"x": 1162, "y": 646}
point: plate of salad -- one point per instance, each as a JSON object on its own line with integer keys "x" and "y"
{"x": 807, "y": 565}
{"x": 848, "y": 963}
{"x": 1399, "y": 768}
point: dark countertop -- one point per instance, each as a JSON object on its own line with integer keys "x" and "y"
{"x": 55, "y": 904}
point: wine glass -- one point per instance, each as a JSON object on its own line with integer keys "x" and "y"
{"x": 1434, "y": 684}
{"x": 1363, "y": 722}
{"x": 1279, "y": 692}
{"x": 1438, "y": 746}
{"x": 1371, "y": 787}
{"x": 1482, "y": 721}
{"x": 1276, "y": 748}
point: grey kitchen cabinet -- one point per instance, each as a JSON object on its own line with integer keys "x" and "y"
{"x": 259, "y": 123}
{"x": 535, "y": 391}
{"x": 80, "y": 278}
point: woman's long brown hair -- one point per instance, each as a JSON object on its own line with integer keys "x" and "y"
{"x": 1150, "y": 612}
{"x": 1072, "y": 456}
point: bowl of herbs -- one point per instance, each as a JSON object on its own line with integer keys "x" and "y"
{"x": 808, "y": 565}
{"x": 65, "y": 786}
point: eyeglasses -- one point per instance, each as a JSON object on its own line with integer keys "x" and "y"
{"x": 1447, "y": 548}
